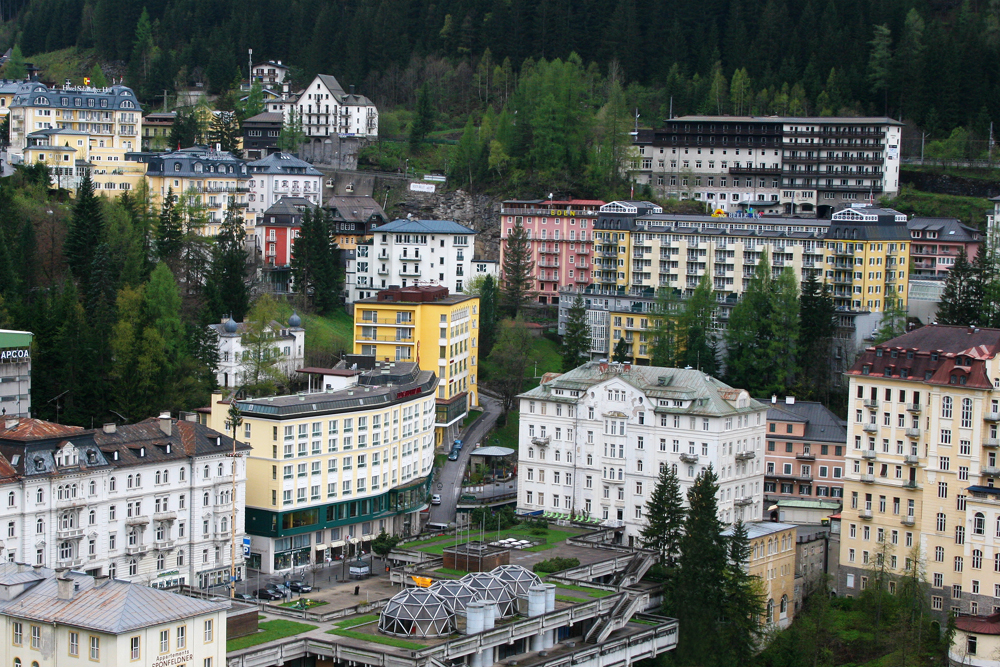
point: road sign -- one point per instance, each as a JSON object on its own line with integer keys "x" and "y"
{"x": 246, "y": 547}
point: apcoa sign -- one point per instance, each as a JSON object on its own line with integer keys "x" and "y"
{"x": 17, "y": 355}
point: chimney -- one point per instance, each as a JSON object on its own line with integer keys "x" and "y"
{"x": 110, "y": 427}
{"x": 165, "y": 422}
{"x": 789, "y": 400}
{"x": 100, "y": 580}
{"x": 65, "y": 591}
{"x": 352, "y": 89}
{"x": 11, "y": 422}
{"x": 774, "y": 399}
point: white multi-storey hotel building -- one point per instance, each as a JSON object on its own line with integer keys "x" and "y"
{"x": 150, "y": 502}
{"x": 594, "y": 440}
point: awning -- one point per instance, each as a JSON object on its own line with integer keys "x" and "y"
{"x": 320, "y": 547}
{"x": 336, "y": 543}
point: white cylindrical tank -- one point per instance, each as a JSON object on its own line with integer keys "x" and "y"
{"x": 550, "y": 605}
{"x": 490, "y": 613}
{"x": 536, "y": 607}
{"x": 475, "y": 620}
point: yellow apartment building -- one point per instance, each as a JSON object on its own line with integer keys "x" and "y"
{"x": 867, "y": 259}
{"x": 206, "y": 178}
{"x": 330, "y": 470}
{"x": 111, "y": 115}
{"x": 437, "y": 330}
{"x": 921, "y": 465}
{"x": 772, "y": 560}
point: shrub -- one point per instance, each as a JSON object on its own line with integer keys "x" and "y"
{"x": 556, "y": 564}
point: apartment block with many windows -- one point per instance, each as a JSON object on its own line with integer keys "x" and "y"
{"x": 805, "y": 451}
{"x": 922, "y": 464}
{"x": 594, "y": 440}
{"x": 393, "y": 325}
{"x": 330, "y": 470}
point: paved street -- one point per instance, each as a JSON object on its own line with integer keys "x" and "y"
{"x": 449, "y": 482}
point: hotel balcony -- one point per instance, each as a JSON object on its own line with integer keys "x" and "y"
{"x": 806, "y": 456}
{"x": 136, "y": 520}
{"x": 744, "y": 500}
{"x": 908, "y": 520}
{"x": 990, "y": 471}
{"x": 871, "y": 403}
{"x": 745, "y": 456}
{"x": 865, "y": 514}
{"x": 540, "y": 441}
{"x": 913, "y": 407}
{"x": 868, "y": 454}
{"x": 991, "y": 416}
{"x": 913, "y": 433}
{"x": 911, "y": 459}
{"x": 69, "y": 533}
{"x": 868, "y": 479}
{"x": 689, "y": 458}
{"x": 870, "y": 428}
{"x": 991, "y": 442}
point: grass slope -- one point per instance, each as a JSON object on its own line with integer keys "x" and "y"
{"x": 915, "y": 203}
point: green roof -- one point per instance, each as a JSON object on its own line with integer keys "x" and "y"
{"x": 9, "y": 338}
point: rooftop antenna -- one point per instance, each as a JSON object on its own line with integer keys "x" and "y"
{"x": 635, "y": 132}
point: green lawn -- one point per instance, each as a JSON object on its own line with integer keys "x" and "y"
{"x": 469, "y": 418}
{"x": 595, "y": 593}
{"x": 970, "y": 210}
{"x": 505, "y": 436}
{"x": 271, "y": 630}
{"x": 548, "y": 357}
{"x": 551, "y": 538}
{"x": 453, "y": 572}
{"x": 355, "y": 621}
{"x": 325, "y": 334}
{"x": 377, "y": 639}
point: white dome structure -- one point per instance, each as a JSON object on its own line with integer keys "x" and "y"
{"x": 456, "y": 593}
{"x": 517, "y": 577}
{"x": 492, "y": 589}
{"x": 417, "y": 612}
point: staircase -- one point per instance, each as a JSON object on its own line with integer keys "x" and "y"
{"x": 627, "y": 606}
{"x": 635, "y": 571}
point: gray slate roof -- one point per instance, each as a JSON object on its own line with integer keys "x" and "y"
{"x": 702, "y": 394}
{"x": 33, "y": 93}
{"x": 114, "y": 607}
{"x": 424, "y": 227}
{"x": 757, "y": 529}
{"x": 948, "y": 229}
{"x": 283, "y": 163}
{"x": 821, "y": 424}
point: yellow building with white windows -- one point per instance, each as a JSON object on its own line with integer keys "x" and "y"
{"x": 330, "y": 470}
{"x": 772, "y": 561}
{"x": 52, "y": 618}
{"x": 922, "y": 466}
{"x": 437, "y": 330}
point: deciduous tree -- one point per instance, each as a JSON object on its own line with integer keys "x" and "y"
{"x": 518, "y": 270}
{"x": 509, "y": 362}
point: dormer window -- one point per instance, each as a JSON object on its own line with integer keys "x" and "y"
{"x": 114, "y": 455}
{"x": 168, "y": 448}
{"x": 39, "y": 463}
{"x": 954, "y": 379}
{"x": 928, "y": 375}
{"x": 878, "y": 352}
{"x": 866, "y": 369}
{"x": 142, "y": 452}
{"x": 934, "y": 356}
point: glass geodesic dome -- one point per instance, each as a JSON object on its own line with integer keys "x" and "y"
{"x": 417, "y": 612}
{"x": 456, "y": 593}
{"x": 517, "y": 577}
{"x": 492, "y": 589}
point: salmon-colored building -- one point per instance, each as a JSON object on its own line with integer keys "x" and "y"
{"x": 561, "y": 235}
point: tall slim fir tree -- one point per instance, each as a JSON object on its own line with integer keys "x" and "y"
{"x": 665, "y": 515}
{"x": 696, "y": 325}
{"x": 817, "y": 325}
{"x": 748, "y": 336}
{"x": 169, "y": 232}
{"x": 489, "y": 302}
{"x": 518, "y": 270}
{"x": 663, "y": 351}
{"x": 741, "y": 626}
{"x": 961, "y": 300}
{"x": 85, "y": 231}
{"x": 228, "y": 283}
{"x": 576, "y": 341}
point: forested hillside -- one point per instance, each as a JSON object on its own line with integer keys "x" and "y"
{"x": 930, "y": 61}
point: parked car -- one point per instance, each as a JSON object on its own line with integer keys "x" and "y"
{"x": 436, "y": 499}
{"x": 453, "y": 456}
{"x": 299, "y": 587}
{"x": 280, "y": 589}
{"x": 267, "y": 594}
{"x": 245, "y": 597}
{"x": 457, "y": 445}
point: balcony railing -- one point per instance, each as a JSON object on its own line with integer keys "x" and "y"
{"x": 870, "y": 428}
{"x": 806, "y": 456}
{"x": 744, "y": 500}
{"x": 908, "y": 520}
{"x": 745, "y": 456}
{"x": 136, "y": 549}
{"x": 991, "y": 442}
{"x": 69, "y": 533}
{"x": 541, "y": 441}
{"x": 913, "y": 433}
{"x": 871, "y": 403}
{"x": 136, "y": 520}
{"x": 868, "y": 479}
{"x": 865, "y": 514}
{"x": 910, "y": 484}
{"x": 868, "y": 454}
{"x": 911, "y": 459}
{"x": 689, "y": 458}
{"x": 991, "y": 416}
{"x": 913, "y": 407}
{"x": 990, "y": 471}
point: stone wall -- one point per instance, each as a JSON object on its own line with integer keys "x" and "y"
{"x": 480, "y": 212}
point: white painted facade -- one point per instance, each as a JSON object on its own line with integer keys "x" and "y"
{"x": 415, "y": 252}
{"x": 598, "y": 451}
{"x": 288, "y": 345}
{"x": 160, "y": 523}
{"x": 327, "y": 110}
{"x": 282, "y": 175}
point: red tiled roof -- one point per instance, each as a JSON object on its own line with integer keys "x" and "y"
{"x": 981, "y": 625}
{"x": 315, "y": 370}
{"x": 934, "y": 349}
{"x": 36, "y": 429}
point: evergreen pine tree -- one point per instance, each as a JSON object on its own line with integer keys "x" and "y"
{"x": 817, "y": 325}
{"x": 423, "y": 122}
{"x": 85, "y": 231}
{"x": 665, "y": 518}
{"x": 169, "y": 232}
{"x": 622, "y": 353}
{"x": 576, "y": 341}
{"x": 518, "y": 270}
{"x": 892, "y": 324}
{"x": 228, "y": 283}
{"x": 663, "y": 352}
{"x": 741, "y": 626}
{"x": 26, "y": 266}
{"x": 225, "y": 132}
{"x": 962, "y": 297}
{"x": 16, "y": 68}
{"x": 696, "y": 329}
{"x": 988, "y": 287}
{"x": 488, "y": 315}
{"x": 699, "y": 594}
{"x": 509, "y": 361}
{"x": 783, "y": 353}
{"x": 315, "y": 268}
{"x": 748, "y": 334}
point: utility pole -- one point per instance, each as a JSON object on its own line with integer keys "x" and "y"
{"x": 250, "y": 66}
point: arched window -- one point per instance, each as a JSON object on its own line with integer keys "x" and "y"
{"x": 10, "y": 499}
{"x": 966, "y": 413}
{"x": 219, "y": 470}
{"x": 224, "y": 525}
{"x": 979, "y": 523}
{"x": 946, "y": 404}
{"x": 17, "y": 662}
{"x": 166, "y": 476}
{"x": 93, "y": 488}
{"x": 128, "y": 484}
{"x": 112, "y": 484}
{"x": 159, "y": 477}
{"x": 770, "y": 610}
{"x": 977, "y": 559}
{"x": 39, "y": 496}
{"x": 39, "y": 526}
{"x": 160, "y": 561}
{"x": 180, "y": 558}
{"x": 204, "y": 499}
{"x": 138, "y": 480}
{"x": 133, "y": 567}
{"x": 942, "y": 522}
{"x": 206, "y": 471}
{"x": 91, "y": 518}
{"x": 112, "y": 570}
{"x": 783, "y": 609}
{"x": 67, "y": 520}
{"x": 182, "y": 474}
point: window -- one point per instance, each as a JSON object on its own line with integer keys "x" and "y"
{"x": 74, "y": 643}
{"x": 181, "y": 636}
{"x": 134, "y": 648}
{"x": 95, "y": 648}
{"x": 208, "y": 631}
{"x": 18, "y": 634}
{"x": 164, "y": 641}
{"x": 36, "y": 636}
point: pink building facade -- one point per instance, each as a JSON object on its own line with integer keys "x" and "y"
{"x": 561, "y": 235}
{"x": 935, "y": 245}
